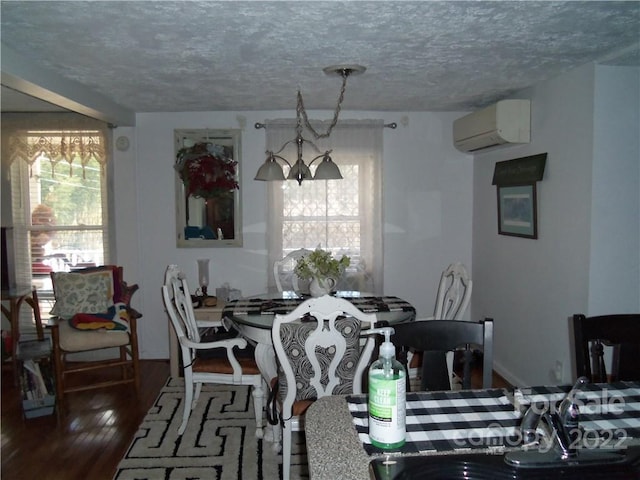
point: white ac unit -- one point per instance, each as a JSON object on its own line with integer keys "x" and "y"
{"x": 507, "y": 121}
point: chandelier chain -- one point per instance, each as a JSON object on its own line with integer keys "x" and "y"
{"x": 326, "y": 168}
{"x": 302, "y": 111}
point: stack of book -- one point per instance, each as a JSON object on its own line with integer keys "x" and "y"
{"x": 36, "y": 378}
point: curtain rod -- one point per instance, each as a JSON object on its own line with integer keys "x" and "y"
{"x": 392, "y": 125}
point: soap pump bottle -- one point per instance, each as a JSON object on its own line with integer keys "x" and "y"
{"x": 387, "y": 396}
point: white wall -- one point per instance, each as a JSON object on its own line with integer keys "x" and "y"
{"x": 427, "y": 187}
{"x": 428, "y": 192}
{"x": 532, "y": 287}
{"x": 615, "y": 232}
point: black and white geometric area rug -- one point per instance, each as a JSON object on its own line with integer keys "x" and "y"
{"x": 218, "y": 444}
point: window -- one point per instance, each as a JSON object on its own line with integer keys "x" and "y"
{"x": 343, "y": 216}
{"x": 58, "y": 196}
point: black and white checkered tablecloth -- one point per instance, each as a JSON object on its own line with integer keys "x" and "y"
{"x": 260, "y": 306}
{"x": 608, "y": 411}
{"x": 448, "y": 421}
{"x": 489, "y": 419}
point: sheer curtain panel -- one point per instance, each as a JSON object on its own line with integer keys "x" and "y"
{"x": 343, "y": 216}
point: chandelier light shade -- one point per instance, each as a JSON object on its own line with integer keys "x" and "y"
{"x": 270, "y": 170}
{"x": 326, "y": 169}
{"x": 299, "y": 171}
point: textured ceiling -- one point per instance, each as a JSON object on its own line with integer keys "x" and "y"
{"x": 167, "y": 56}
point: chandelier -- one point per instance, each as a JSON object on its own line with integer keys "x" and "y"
{"x": 271, "y": 170}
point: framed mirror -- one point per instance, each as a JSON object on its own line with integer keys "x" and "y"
{"x": 207, "y": 171}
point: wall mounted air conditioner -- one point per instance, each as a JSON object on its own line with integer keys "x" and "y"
{"x": 507, "y": 121}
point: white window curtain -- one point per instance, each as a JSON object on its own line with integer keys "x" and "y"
{"x": 343, "y": 216}
{"x": 62, "y": 137}
{"x": 41, "y": 150}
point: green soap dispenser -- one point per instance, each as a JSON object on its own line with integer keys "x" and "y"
{"x": 387, "y": 396}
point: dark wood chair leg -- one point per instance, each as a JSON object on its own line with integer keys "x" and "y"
{"x": 58, "y": 363}
{"x": 135, "y": 354}
{"x": 124, "y": 368}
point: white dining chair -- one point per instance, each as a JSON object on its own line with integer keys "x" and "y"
{"x": 454, "y": 293}
{"x": 283, "y": 274}
{"x": 226, "y": 361}
{"x": 319, "y": 353}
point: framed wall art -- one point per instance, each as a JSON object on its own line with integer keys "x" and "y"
{"x": 517, "y": 211}
{"x": 517, "y": 203}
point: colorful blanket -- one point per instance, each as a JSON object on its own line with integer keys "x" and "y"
{"x": 116, "y": 318}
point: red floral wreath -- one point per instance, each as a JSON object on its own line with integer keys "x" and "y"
{"x": 206, "y": 170}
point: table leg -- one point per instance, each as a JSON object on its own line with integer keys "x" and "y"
{"x": 266, "y": 360}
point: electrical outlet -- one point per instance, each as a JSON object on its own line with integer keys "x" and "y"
{"x": 558, "y": 371}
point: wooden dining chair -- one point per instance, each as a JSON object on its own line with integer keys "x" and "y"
{"x": 319, "y": 353}
{"x": 92, "y": 316}
{"x": 591, "y": 334}
{"x": 437, "y": 337}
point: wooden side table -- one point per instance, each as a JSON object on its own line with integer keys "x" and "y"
{"x": 206, "y": 317}
{"x": 16, "y": 296}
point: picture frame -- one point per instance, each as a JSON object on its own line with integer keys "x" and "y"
{"x": 517, "y": 210}
{"x": 220, "y": 217}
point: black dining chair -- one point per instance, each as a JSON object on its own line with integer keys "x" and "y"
{"x": 437, "y": 337}
{"x": 591, "y": 334}
{"x": 452, "y": 301}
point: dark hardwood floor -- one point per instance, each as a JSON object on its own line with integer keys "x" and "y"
{"x": 88, "y": 442}
{"x": 476, "y": 376}
{"x": 498, "y": 381}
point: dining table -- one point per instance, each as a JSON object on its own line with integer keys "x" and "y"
{"x": 253, "y": 318}
{"x": 483, "y": 421}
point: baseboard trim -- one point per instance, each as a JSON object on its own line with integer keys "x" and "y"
{"x": 506, "y": 374}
